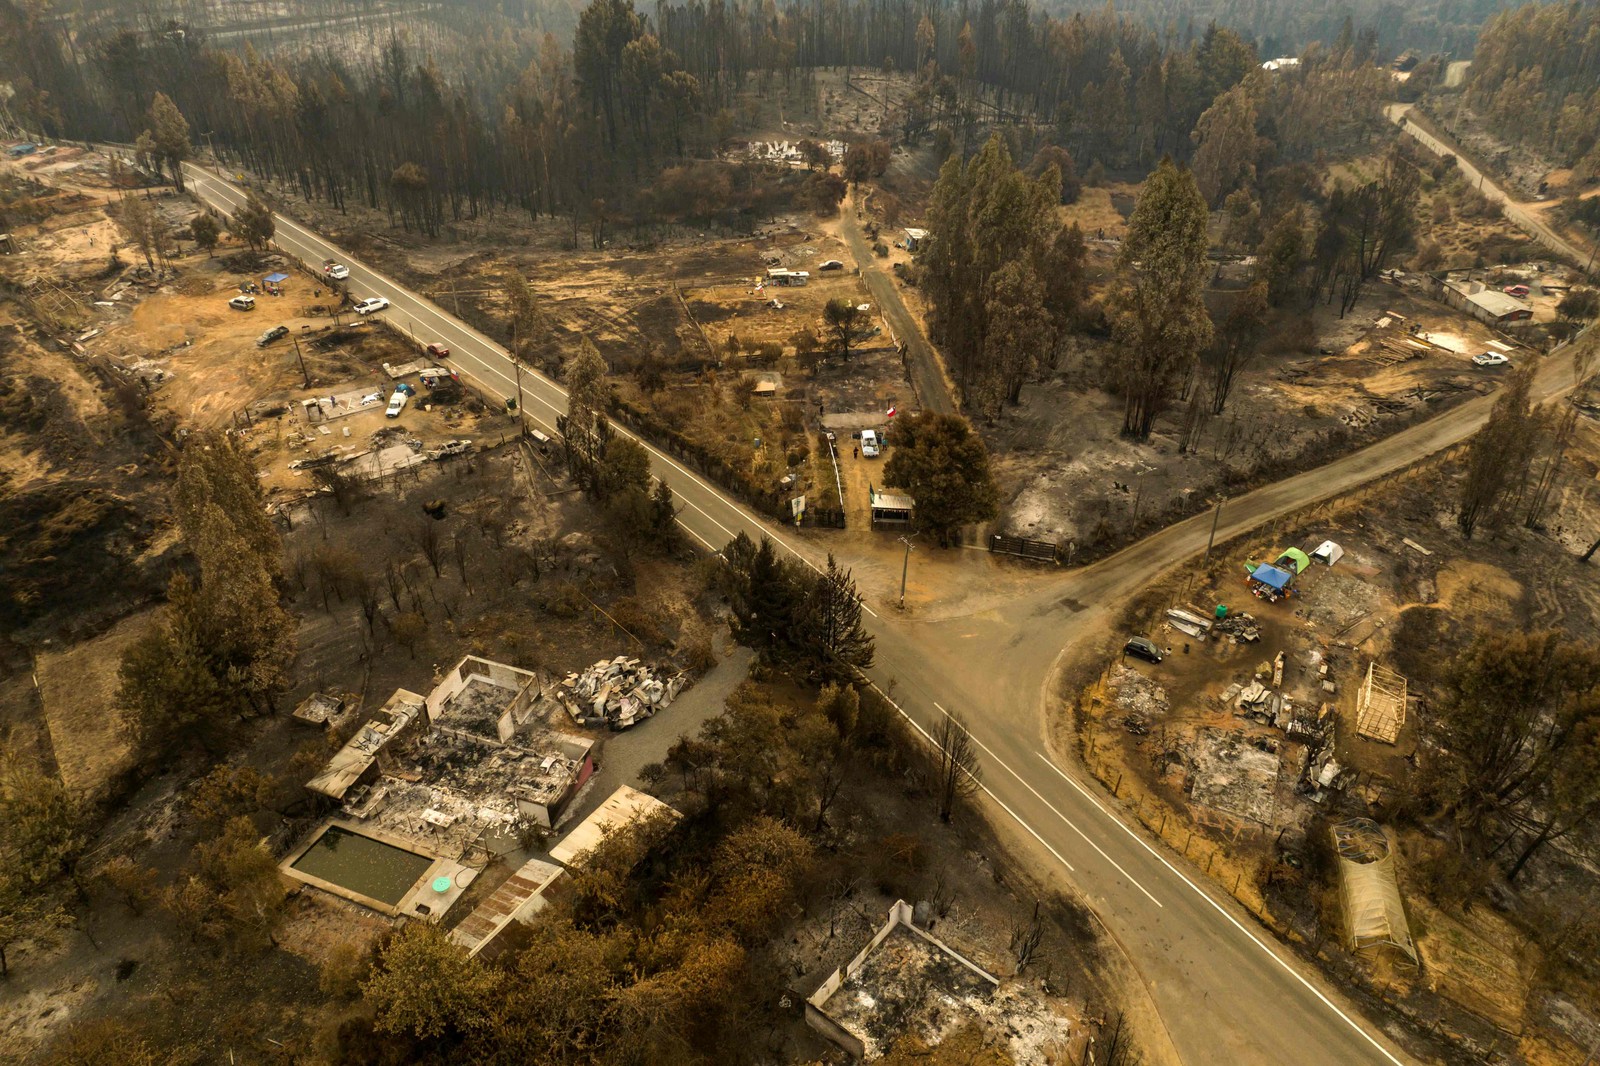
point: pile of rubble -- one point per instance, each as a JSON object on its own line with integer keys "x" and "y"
{"x": 618, "y": 693}
{"x": 1238, "y": 628}
{"x": 1138, "y": 695}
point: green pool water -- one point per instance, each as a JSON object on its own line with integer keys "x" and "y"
{"x": 363, "y": 865}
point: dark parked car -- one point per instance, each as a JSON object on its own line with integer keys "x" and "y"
{"x": 275, "y": 333}
{"x": 1143, "y": 648}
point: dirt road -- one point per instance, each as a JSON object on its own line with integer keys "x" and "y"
{"x": 1513, "y": 209}
{"x": 922, "y": 361}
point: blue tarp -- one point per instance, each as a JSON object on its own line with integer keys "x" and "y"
{"x": 1272, "y": 577}
{"x": 273, "y": 279}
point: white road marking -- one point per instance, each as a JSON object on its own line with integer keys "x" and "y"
{"x": 423, "y": 304}
{"x": 1053, "y": 809}
{"x": 311, "y": 246}
{"x": 1220, "y": 909}
{"x": 1002, "y": 803}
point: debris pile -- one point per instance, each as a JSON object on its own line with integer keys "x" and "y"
{"x": 1138, "y": 695}
{"x": 618, "y": 692}
{"x": 1238, "y": 628}
{"x": 1260, "y": 703}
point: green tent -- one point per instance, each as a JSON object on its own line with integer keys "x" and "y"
{"x": 1294, "y": 560}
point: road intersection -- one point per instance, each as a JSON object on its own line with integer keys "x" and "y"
{"x": 1226, "y": 992}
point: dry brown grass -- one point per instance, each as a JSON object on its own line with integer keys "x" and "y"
{"x": 78, "y": 688}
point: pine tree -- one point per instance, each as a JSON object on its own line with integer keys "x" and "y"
{"x": 831, "y": 632}
{"x": 169, "y": 134}
{"x": 584, "y": 428}
{"x": 1157, "y": 307}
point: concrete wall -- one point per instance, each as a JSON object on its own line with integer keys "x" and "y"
{"x": 471, "y": 666}
{"x": 899, "y": 916}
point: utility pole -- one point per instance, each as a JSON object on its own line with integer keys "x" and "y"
{"x": 303, "y": 372}
{"x": 1213, "y": 538}
{"x": 905, "y": 566}
{"x": 522, "y": 421}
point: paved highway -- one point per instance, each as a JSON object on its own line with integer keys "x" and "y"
{"x": 1226, "y": 992}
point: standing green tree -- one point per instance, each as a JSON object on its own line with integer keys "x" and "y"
{"x": 584, "y": 428}
{"x": 41, "y": 835}
{"x": 765, "y": 594}
{"x": 253, "y": 224}
{"x": 1225, "y": 145}
{"x": 1282, "y": 257}
{"x": 1064, "y": 277}
{"x": 169, "y": 137}
{"x": 1241, "y": 221}
{"x": 1019, "y": 334}
{"x": 224, "y": 646}
{"x": 530, "y": 326}
{"x": 428, "y": 987}
{"x": 663, "y": 514}
{"x": 835, "y": 641}
{"x": 624, "y": 468}
{"x": 204, "y": 231}
{"x": 943, "y": 465}
{"x": 843, "y": 316}
{"x": 986, "y": 216}
{"x": 1156, "y": 306}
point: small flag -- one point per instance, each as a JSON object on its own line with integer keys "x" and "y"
{"x": 891, "y": 412}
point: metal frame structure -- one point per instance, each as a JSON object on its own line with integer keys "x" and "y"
{"x": 1381, "y": 705}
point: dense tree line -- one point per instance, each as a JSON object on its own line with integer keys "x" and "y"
{"x": 620, "y": 124}
{"x": 1536, "y": 79}
{"x": 1005, "y": 276}
{"x": 1378, "y": 28}
{"x": 224, "y": 644}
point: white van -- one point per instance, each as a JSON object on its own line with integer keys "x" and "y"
{"x": 869, "y": 444}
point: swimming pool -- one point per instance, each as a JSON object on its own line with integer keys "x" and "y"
{"x": 362, "y": 865}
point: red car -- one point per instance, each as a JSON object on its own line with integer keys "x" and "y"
{"x": 437, "y": 350}
{"x": 1519, "y": 291}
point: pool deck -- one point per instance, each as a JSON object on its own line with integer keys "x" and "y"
{"x": 421, "y": 893}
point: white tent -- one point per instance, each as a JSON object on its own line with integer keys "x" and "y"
{"x": 1328, "y": 552}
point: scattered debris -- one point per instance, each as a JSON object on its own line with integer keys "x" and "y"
{"x": 1234, "y": 775}
{"x": 1414, "y": 546}
{"x": 1190, "y": 622}
{"x": 1239, "y": 627}
{"x": 319, "y": 709}
{"x": 1137, "y": 694}
{"x": 619, "y": 692}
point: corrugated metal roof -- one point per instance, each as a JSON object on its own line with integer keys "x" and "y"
{"x": 1498, "y": 304}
